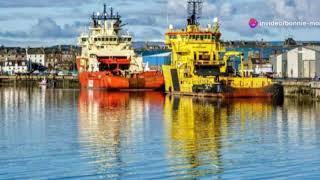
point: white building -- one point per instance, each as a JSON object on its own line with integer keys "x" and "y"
{"x": 36, "y": 55}
{"x": 12, "y": 67}
{"x": 279, "y": 63}
{"x": 262, "y": 68}
{"x": 300, "y": 62}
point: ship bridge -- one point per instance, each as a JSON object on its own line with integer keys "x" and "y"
{"x": 106, "y": 47}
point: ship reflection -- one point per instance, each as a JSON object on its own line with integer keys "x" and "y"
{"x": 198, "y": 129}
{"x": 149, "y": 135}
{"x": 111, "y": 123}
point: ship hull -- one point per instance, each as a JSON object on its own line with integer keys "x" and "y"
{"x": 103, "y": 80}
{"x": 274, "y": 91}
{"x": 225, "y": 87}
{"x": 271, "y": 91}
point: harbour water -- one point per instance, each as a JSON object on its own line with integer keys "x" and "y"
{"x": 73, "y": 134}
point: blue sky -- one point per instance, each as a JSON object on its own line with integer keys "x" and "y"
{"x": 50, "y": 22}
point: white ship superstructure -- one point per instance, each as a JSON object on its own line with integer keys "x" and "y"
{"x": 106, "y": 47}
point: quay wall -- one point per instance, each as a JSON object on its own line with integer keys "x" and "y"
{"x": 302, "y": 89}
{"x": 53, "y": 81}
{"x": 292, "y": 88}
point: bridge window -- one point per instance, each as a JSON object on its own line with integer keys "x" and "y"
{"x": 205, "y": 56}
{"x": 173, "y": 37}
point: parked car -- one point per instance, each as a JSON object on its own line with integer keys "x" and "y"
{"x": 43, "y": 73}
{"x": 61, "y": 73}
{"x": 75, "y": 74}
{"x": 36, "y": 72}
{"x": 53, "y": 72}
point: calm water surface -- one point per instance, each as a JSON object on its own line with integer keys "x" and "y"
{"x": 72, "y": 134}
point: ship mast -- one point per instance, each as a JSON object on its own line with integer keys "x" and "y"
{"x": 105, "y": 10}
{"x": 194, "y": 12}
{"x": 99, "y": 18}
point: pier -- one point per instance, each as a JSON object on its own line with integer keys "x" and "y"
{"x": 53, "y": 81}
{"x": 302, "y": 89}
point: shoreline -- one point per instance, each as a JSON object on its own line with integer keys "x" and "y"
{"x": 53, "y": 81}
{"x": 292, "y": 88}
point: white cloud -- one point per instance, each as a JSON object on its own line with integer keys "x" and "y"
{"x": 147, "y": 14}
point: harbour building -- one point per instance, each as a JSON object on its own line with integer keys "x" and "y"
{"x": 157, "y": 60}
{"x": 36, "y": 55}
{"x": 300, "y": 62}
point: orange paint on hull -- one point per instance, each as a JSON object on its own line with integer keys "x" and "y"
{"x": 248, "y": 93}
{"x": 150, "y": 80}
{"x": 273, "y": 91}
{"x": 100, "y": 80}
{"x": 103, "y": 80}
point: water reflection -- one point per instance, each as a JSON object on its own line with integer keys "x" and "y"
{"x": 298, "y": 121}
{"x": 152, "y": 135}
{"x": 100, "y": 115}
{"x": 149, "y": 135}
{"x": 199, "y": 126}
{"x": 115, "y": 128}
{"x": 38, "y": 133}
{"x": 52, "y": 134}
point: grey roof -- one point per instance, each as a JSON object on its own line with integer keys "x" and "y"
{"x": 35, "y": 51}
{"x": 12, "y": 50}
{"x": 315, "y": 48}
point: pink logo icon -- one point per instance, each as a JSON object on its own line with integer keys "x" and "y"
{"x": 253, "y": 23}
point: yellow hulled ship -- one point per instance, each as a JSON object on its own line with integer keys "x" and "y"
{"x": 200, "y": 64}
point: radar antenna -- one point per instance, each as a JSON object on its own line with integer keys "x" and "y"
{"x": 106, "y": 16}
{"x": 194, "y": 11}
{"x": 104, "y": 8}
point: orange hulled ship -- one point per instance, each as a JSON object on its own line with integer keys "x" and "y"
{"x": 108, "y": 60}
